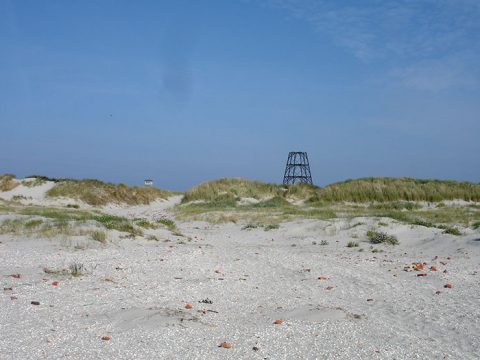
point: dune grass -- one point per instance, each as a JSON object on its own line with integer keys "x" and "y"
{"x": 98, "y": 193}
{"x": 398, "y": 189}
{"x": 7, "y": 182}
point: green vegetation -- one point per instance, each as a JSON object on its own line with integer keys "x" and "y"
{"x": 271, "y": 227}
{"x": 76, "y": 269}
{"x": 7, "y": 182}
{"x": 324, "y": 242}
{"x": 352, "y": 244}
{"x": 99, "y": 236}
{"x": 450, "y": 230}
{"x": 378, "y": 237}
{"x": 98, "y": 193}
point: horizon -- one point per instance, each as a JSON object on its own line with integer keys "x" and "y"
{"x": 184, "y": 93}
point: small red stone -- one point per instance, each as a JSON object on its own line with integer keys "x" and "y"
{"x": 433, "y": 268}
{"x": 105, "y": 338}
{"x": 447, "y": 286}
{"x": 55, "y": 283}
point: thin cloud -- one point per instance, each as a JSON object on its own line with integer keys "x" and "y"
{"x": 401, "y": 33}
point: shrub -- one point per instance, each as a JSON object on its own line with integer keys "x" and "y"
{"x": 450, "y": 230}
{"x": 352, "y": 244}
{"x": 272, "y": 227}
{"x": 99, "y": 236}
{"x": 378, "y": 237}
{"x": 324, "y": 242}
{"x": 76, "y": 269}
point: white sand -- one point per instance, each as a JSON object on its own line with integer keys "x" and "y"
{"x": 135, "y": 291}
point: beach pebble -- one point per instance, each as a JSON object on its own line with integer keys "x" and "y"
{"x": 225, "y": 345}
{"x": 278, "y": 322}
{"x": 447, "y": 286}
{"x": 188, "y": 306}
{"x": 35, "y": 302}
{"x": 105, "y": 338}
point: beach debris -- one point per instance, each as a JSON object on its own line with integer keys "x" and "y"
{"x": 329, "y": 288}
{"x": 225, "y": 345}
{"x": 369, "y": 299}
{"x": 105, "y": 338}
{"x": 206, "y": 301}
{"x": 255, "y": 348}
{"x": 35, "y": 302}
{"x": 55, "y": 283}
{"x": 15, "y": 276}
{"x": 409, "y": 268}
{"x": 447, "y": 286}
{"x": 443, "y": 263}
{"x": 7, "y": 289}
{"x": 433, "y": 268}
{"x": 188, "y": 306}
{"x": 445, "y": 271}
{"x": 438, "y": 292}
{"x": 217, "y": 271}
{"x": 322, "y": 278}
{"x": 435, "y": 258}
{"x": 422, "y": 274}
{"x": 419, "y": 266}
{"x": 13, "y": 297}
{"x": 278, "y": 322}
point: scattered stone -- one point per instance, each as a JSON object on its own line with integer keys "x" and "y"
{"x": 438, "y": 292}
{"x": 7, "y": 289}
{"x": 105, "y": 338}
{"x": 13, "y": 298}
{"x": 329, "y": 288}
{"x": 423, "y": 274}
{"x": 188, "y": 306}
{"x": 447, "y": 286}
{"x": 15, "y": 276}
{"x": 255, "y": 348}
{"x": 35, "y": 302}
{"x": 445, "y": 271}
{"x": 369, "y": 299}
{"x": 55, "y": 283}
{"x": 322, "y": 278}
{"x": 225, "y": 345}
{"x": 206, "y": 301}
{"x": 278, "y": 322}
{"x": 433, "y": 268}
{"x": 443, "y": 263}
{"x": 419, "y": 266}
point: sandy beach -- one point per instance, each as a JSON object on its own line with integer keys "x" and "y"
{"x": 292, "y": 292}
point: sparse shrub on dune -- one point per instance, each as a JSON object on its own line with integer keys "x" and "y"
{"x": 98, "y": 193}
{"x": 99, "y": 236}
{"x": 8, "y": 182}
{"x": 379, "y": 237}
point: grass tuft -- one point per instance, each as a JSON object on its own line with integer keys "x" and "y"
{"x": 99, "y": 236}
{"x": 352, "y": 244}
{"x": 378, "y": 237}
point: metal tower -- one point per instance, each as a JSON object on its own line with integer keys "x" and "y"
{"x": 297, "y": 169}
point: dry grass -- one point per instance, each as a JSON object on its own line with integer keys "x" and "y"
{"x": 98, "y": 193}
{"x": 398, "y": 189}
{"x": 7, "y": 182}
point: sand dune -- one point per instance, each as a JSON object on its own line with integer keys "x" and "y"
{"x": 334, "y": 301}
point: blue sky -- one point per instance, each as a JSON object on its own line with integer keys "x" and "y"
{"x": 187, "y": 91}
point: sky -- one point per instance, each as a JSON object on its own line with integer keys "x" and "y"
{"x": 187, "y": 91}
